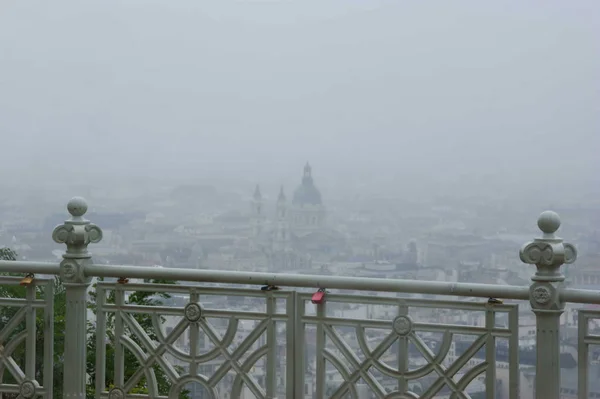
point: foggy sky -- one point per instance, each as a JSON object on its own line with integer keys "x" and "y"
{"x": 386, "y": 92}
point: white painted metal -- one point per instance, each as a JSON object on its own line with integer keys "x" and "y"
{"x": 297, "y": 280}
{"x": 196, "y": 318}
{"x": 284, "y": 338}
{"x": 271, "y": 372}
{"x": 548, "y": 253}
{"x": 403, "y": 329}
{"x": 585, "y": 340}
{"x": 7, "y": 266}
{"x": 21, "y": 328}
{"x": 76, "y": 233}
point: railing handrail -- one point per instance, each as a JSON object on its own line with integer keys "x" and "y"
{"x": 515, "y": 292}
{"x": 281, "y": 280}
{"x": 312, "y": 281}
{"x": 19, "y": 266}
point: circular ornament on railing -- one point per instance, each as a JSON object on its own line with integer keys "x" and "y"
{"x": 60, "y": 234}
{"x": 402, "y": 325}
{"x": 116, "y": 393}
{"x": 192, "y": 312}
{"x": 542, "y": 295}
{"x": 69, "y": 270}
{"x": 27, "y": 389}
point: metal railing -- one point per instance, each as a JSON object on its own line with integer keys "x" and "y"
{"x": 239, "y": 341}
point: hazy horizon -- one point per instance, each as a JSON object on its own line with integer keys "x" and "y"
{"x": 385, "y": 95}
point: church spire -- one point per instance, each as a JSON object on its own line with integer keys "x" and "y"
{"x": 282, "y": 235}
{"x": 257, "y": 194}
{"x": 281, "y": 197}
{"x": 307, "y": 170}
{"x": 257, "y": 211}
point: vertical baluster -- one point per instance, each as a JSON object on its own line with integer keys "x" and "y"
{"x": 271, "y": 347}
{"x": 29, "y": 384}
{"x": 30, "y": 325}
{"x": 298, "y": 362}
{"x": 100, "y": 341}
{"x": 119, "y": 329}
{"x": 320, "y": 350}
{"x": 582, "y": 356}
{"x": 194, "y": 338}
{"x": 290, "y": 357}
{"x": 403, "y": 355}
{"x": 76, "y": 233}
{"x": 49, "y": 338}
{"x": 513, "y": 356}
{"x": 490, "y": 354}
{"x": 548, "y": 253}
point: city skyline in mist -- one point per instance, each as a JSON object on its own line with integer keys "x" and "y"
{"x": 393, "y": 93}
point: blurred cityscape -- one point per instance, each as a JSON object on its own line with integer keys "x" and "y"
{"x": 295, "y": 228}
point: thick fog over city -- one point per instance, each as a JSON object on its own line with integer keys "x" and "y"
{"x": 420, "y": 104}
{"x": 406, "y": 98}
{"x": 299, "y": 199}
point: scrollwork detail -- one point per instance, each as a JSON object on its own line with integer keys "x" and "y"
{"x": 62, "y": 233}
{"x": 69, "y": 270}
{"x": 72, "y": 271}
{"x": 541, "y": 294}
{"x": 28, "y": 389}
{"x": 192, "y": 312}
{"x": 570, "y": 253}
{"x": 548, "y": 252}
{"x": 116, "y": 393}
{"x": 544, "y": 296}
{"x": 77, "y": 232}
{"x": 94, "y": 233}
{"x": 402, "y": 325}
{"x": 537, "y": 253}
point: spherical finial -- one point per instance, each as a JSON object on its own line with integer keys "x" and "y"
{"x": 77, "y": 207}
{"x": 549, "y": 222}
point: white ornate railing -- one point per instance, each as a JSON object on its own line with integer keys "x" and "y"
{"x": 19, "y": 328}
{"x": 202, "y": 316}
{"x": 261, "y": 336}
{"x": 399, "y": 329}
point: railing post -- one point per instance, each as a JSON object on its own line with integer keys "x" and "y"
{"x": 548, "y": 253}
{"x": 76, "y": 233}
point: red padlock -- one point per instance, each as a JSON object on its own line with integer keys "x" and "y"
{"x": 318, "y": 297}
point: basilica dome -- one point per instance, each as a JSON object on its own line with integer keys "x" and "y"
{"x": 307, "y": 193}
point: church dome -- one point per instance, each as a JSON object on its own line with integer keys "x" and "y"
{"x": 307, "y": 193}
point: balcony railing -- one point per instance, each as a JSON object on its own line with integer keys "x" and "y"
{"x": 225, "y": 334}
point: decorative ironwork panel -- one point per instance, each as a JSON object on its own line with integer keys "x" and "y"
{"x": 588, "y": 355}
{"x": 388, "y": 347}
{"x": 26, "y": 368}
{"x": 209, "y": 341}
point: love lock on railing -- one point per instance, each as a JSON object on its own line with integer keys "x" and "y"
{"x": 28, "y": 279}
{"x": 318, "y": 297}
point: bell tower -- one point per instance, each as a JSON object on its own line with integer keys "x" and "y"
{"x": 282, "y": 234}
{"x": 257, "y": 212}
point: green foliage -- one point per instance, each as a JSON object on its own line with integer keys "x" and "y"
{"x": 7, "y": 254}
{"x": 131, "y": 363}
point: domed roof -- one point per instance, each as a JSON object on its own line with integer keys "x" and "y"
{"x": 307, "y": 193}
